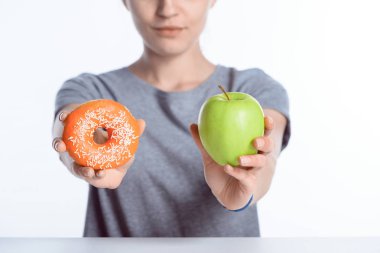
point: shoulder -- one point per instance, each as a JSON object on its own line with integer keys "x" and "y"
{"x": 93, "y": 78}
{"x": 254, "y": 80}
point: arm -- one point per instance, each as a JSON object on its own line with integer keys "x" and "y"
{"x": 233, "y": 186}
{"x": 110, "y": 178}
{"x": 275, "y": 127}
{"x": 57, "y": 131}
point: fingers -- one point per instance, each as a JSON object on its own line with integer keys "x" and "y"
{"x": 243, "y": 175}
{"x": 257, "y": 161}
{"x": 100, "y": 136}
{"x": 264, "y": 144}
{"x": 82, "y": 172}
{"x": 195, "y": 134}
{"x": 142, "y": 125}
{"x": 63, "y": 115}
{"x": 99, "y": 174}
{"x": 123, "y": 169}
{"x": 97, "y": 178}
{"x": 58, "y": 145}
{"x": 106, "y": 178}
{"x": 269, "y": 125}
{"x": 87, "y": 173}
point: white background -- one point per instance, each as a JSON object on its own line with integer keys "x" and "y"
{"x": 325, "y": 52}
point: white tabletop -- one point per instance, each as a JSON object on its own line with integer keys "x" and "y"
{"x": 191, "y": 245}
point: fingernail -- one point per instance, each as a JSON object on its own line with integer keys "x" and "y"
{"x": 193, "y": 127}
{"x": 227, "y": 167}
{"x": 60, "y": 116}
{"x": 259, "y": 143}
{"x": 56, "y": 144}
{"x": 87, "y": 172}
{"x": 100, "y": 173}
{"x": 243, "y": 160}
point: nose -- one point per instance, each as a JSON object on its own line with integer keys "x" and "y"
{"x": 167, "y": 9}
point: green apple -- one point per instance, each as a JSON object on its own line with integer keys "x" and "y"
{"x": 228, "y": 123}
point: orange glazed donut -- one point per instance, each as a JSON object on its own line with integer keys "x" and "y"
{"x": 121, "y": 126}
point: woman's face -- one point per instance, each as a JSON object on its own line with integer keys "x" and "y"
{"x": 169, "y": 27}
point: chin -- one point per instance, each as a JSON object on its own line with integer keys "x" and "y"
{"x": 169, "y": 48}
{"x": 169, "y": 51}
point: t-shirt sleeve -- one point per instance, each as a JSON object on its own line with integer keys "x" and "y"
{"x": 76, "y": 90}
{"x": 271, "y": 95}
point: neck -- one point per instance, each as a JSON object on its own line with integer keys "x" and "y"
{"x": 175, "y": 72}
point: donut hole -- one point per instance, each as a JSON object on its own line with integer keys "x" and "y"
{"x": 101, "y": 135}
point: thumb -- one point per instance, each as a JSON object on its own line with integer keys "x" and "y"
{"x": 142, "y": 125}
{"x": 195, "y": 134}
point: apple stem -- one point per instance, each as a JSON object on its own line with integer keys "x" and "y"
{"x": 225, "y": 93}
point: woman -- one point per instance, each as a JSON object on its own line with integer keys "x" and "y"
{"x": 172, "y": 187}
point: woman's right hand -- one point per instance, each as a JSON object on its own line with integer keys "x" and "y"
{"x": 107, "y": 178}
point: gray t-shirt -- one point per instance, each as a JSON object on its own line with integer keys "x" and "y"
{"x": 164, "y": 193}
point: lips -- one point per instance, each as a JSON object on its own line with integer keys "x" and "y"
{"x": 169, "y": 28}
{"x": 169, "y": 31}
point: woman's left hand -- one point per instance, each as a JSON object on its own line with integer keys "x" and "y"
{"x": 234, "y": 186}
